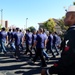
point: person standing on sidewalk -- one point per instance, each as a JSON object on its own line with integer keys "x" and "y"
{"x": 66, "y": 64}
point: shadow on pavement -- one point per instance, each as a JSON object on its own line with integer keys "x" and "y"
{"x": 24, "y": 69}
{"x": 31, "y": 71}
{"x": 12, "y": 67}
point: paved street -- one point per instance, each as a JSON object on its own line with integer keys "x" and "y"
{"x": 9, "y": 66}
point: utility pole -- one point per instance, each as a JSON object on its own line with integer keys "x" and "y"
{"x": 1, "y": 16}
{"x": 26, "y": 22}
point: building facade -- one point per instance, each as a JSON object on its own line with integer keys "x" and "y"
{"x": 4, "y": 23}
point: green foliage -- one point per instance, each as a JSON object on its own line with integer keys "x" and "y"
{"x": 61, "y": 24}
{"x": 0, "y": 26}
{"x": 50, "y": 25}
{"x": 73, "y": 3}
{"x": 31, "y": 28}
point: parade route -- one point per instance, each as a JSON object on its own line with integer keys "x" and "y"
{"x": 10, "y": 66}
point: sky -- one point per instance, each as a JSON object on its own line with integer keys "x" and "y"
{"x": 37, "y": 11}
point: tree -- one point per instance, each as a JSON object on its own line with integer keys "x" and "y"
{"x": 31, "y": 28}
{"x": 61, "y": 23}
{"x": 0, "y": 26}
{"x": 73, "y": 3}
{"x": 50, "y": 25}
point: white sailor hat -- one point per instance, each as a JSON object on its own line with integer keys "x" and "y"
{"x": 71, "y": 9}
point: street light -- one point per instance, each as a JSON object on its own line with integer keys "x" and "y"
{"x": 1, "y": 16}
{"x": 26, "y": 22}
